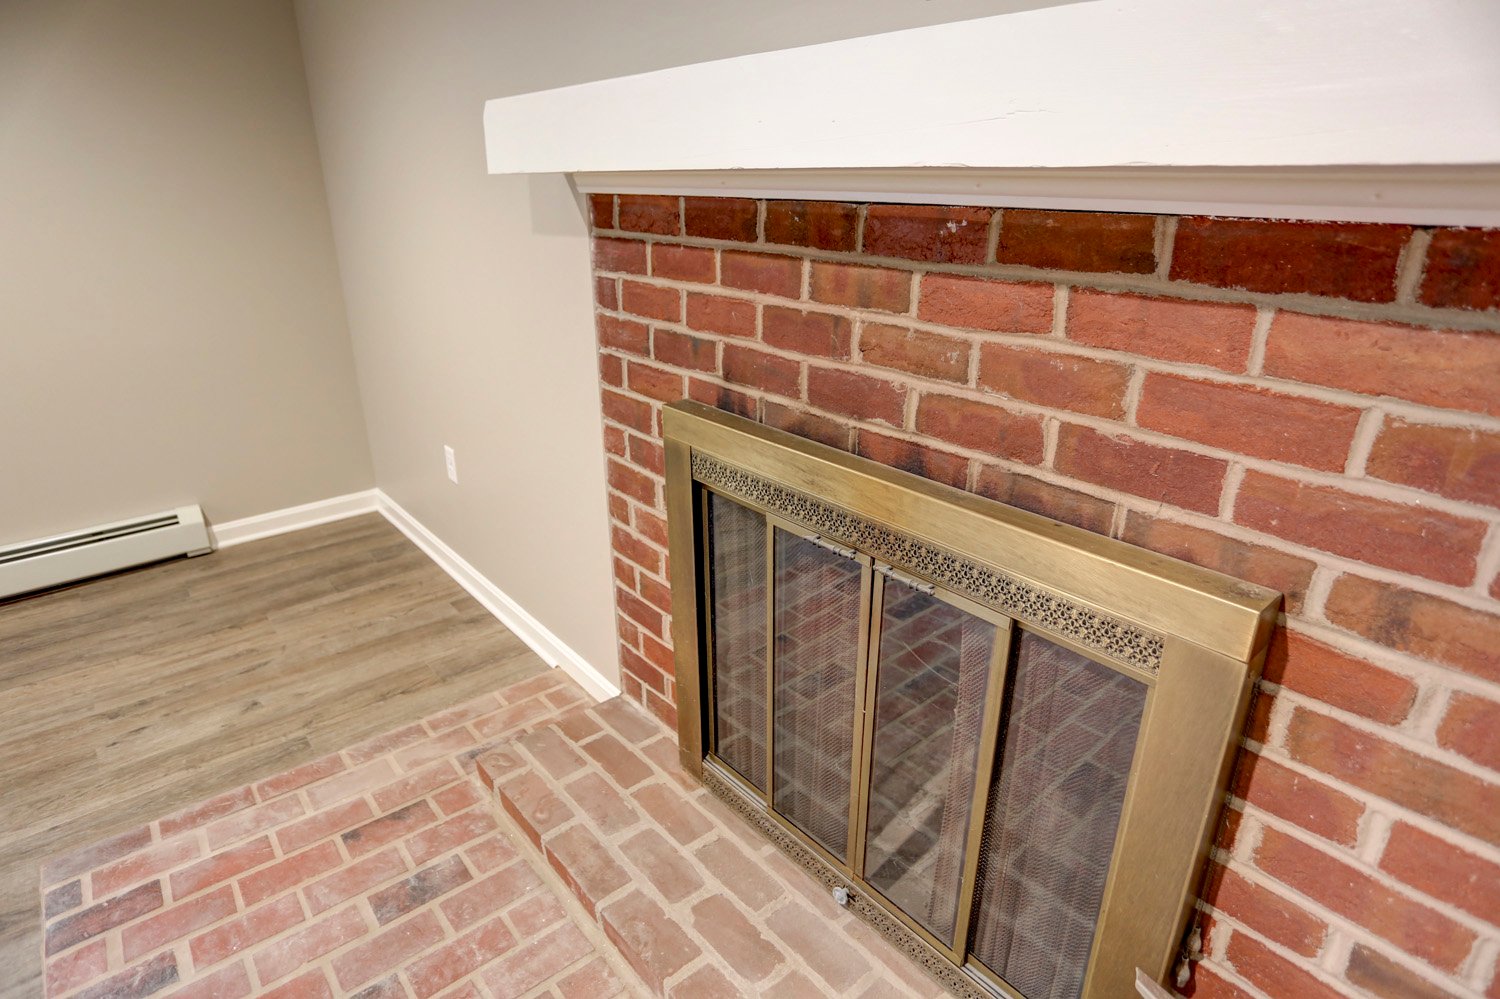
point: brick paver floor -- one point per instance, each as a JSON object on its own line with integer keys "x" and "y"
{"x": 697, "y": 901}
{"x": 527, "y": 843}
{"x": 379, "y": 871}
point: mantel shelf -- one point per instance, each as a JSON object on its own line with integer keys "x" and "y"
{"x": 1369, "y": 111}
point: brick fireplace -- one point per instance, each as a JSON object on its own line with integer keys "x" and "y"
{"x": 1310, "y": 406}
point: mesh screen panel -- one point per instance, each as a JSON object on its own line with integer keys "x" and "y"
{"x": 931, "y": 676}
{"x": 816, "y": 655}
{"x": 1069, "y": 735}
{"x": 737, "y": 559}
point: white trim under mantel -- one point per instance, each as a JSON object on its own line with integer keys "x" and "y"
{"x": 1356, "y": 110}
{"x": 1418, "y": 195}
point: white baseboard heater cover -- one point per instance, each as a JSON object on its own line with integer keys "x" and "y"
{"x": 65, "y": 558}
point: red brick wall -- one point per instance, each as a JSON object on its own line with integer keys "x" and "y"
{"x": 1311, "y": 406}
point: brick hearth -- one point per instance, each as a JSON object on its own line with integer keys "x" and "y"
{"x": 381, "y": 870}
{"x": 393, "y": 869}
{"x": 700, "y": 904}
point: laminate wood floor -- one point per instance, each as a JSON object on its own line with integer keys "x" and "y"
{"x": 128, "y": 697}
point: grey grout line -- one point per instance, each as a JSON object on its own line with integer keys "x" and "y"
{"x": 1166, "y": 238}
{"x": 1412, "y": 266}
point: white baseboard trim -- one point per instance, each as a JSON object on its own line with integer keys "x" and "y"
{"x": 293, "y": 518}
{"x": 528, "y": 629}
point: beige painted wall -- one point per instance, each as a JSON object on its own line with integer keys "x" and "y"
{"x": 171, "y": 323}
{"x": 469, "y": 297}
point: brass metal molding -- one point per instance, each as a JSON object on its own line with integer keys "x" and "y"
{"x": 1153, "y": 594}
{"x": 1026, "y": 602}
{"x": 1195, "y": 639}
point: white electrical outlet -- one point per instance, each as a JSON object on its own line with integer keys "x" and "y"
{"x": 452, "y": 463}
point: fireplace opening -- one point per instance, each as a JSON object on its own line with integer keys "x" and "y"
{"x": 1002, "y": 739}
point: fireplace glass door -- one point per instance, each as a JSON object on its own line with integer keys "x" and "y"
{"x": 817, "y": 657}
{"x": 969, "y": 772}
{"x": 934, "y": 665}
{"x": 737, "y": 555}
{"x": 1069, "y": 735}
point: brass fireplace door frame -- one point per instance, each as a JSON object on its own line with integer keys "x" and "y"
{"x": 1196, "y": 638}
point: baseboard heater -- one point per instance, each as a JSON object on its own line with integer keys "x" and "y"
{"x": 66, "y": 558}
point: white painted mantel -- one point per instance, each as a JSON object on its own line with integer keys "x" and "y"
{"x": 1371, "y": 110}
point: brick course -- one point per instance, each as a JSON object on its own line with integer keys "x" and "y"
{"x": 1312, "y": 406}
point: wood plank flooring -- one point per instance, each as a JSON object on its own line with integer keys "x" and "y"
{"x": 128, "y": 697}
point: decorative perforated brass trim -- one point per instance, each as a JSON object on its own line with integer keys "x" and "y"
{"x": 1103, "y": 634}
{"x": 936, "y": 965}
